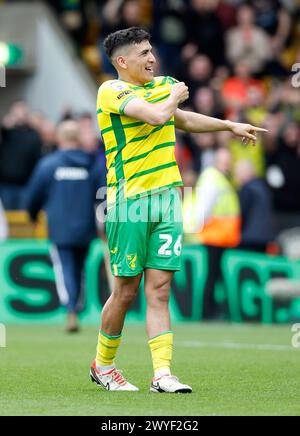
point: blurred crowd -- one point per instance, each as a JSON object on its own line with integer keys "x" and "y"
{"x": 240, "y": 60}
{"x": 28, "y": 136}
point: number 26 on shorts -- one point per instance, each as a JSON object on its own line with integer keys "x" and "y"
{"x": 165, "y": 249}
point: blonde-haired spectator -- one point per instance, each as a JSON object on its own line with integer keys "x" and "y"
{"x": 248, "y": 42}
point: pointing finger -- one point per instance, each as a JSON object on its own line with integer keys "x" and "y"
{"x": 258, "y": 129}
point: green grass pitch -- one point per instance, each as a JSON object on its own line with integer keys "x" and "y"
{"x": 233, "y": 369}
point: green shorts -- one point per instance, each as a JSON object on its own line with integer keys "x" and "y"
{"x": 145, "y": 233}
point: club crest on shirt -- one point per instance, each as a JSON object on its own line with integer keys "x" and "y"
{"x": 118, "y": 86}
{"x": 131, "y": 260}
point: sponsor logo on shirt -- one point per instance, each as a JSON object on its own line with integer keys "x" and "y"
{"x": 123, "y": 94}
{"x": 118, "y": 86}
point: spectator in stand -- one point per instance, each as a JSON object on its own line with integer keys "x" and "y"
{"x": 207, "y": 146}
{"x": 226, "y": 12}
{"x": 47, "y": 132}
{"x": 218, "y": 203}
{"x": 65, "y": 185}
{"x": 169, "y": 33}
{"x": 202, "y": 147}
{"x": 20, "y": 150}
{"x": 248, "y": 42}
{"x": 237, "y": 90}
{"x": 256, "y": 208}
{"x": 256, "y": 110}
{"x": 88, "y": 135}
{"x": 73, "y": 16}
{"x": 206, "y": 103}
{"x": 283, "y": 169}
{"x": 90, "y": 141}
{"x": 197, "y": 73}
{"x": 288, "y": 101}
{"x": 131, "y": 14}
{"x": 46, "y": 129}
{"x": 48, "y": 136}
{"x": 3, "y": 224}
{"x": 275, "y": 19}
{"x": 35, "y": 119}
{"x": 114, "y": 15}
{"x": 109, "y": 16}
{"x": 245, "y": 101}
{"x": 205, "y": 33}
{"x": 256, "y": 155}
{"x": 274, "y": 123}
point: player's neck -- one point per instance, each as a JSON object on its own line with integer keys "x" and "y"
{"x": 130, "y": 80}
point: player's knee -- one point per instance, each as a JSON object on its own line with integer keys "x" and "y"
{"x": 126, "y": 290}
{"x": 159, "y": 294}
{"x": 125, "y": 295}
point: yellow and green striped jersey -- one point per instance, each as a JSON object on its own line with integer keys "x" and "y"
{"x": 140, "y": 157}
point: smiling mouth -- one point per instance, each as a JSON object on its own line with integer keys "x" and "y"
{"x": 149, "y": 69}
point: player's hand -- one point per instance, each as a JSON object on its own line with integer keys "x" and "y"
{"x": 246, "y": 131}
{"x": 180, "y": 92}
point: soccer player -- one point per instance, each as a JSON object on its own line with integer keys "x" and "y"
{"x": 137, "y": 116}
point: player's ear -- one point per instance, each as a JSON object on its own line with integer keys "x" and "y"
{"x": 121, "y": 62}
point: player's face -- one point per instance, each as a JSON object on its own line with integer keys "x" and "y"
{"x": 140, "y": 63}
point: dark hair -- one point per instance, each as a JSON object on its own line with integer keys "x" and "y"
{"x": 133, "y": 35}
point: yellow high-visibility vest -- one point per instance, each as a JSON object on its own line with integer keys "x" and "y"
{"x": 223, "y": 228}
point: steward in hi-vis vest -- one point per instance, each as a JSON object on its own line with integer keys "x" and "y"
{"x": 216, "y": 206}
{"x": 223, "y": 226}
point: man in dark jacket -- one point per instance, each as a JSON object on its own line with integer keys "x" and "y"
{"x": 256, "y": 209}
{"x": 65, "y": 185}
{"x": 20, "y": 150}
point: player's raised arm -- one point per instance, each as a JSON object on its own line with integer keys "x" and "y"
{"x": 160, "y": 113}
{"x": 197, "y": 123}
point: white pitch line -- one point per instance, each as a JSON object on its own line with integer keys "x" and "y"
{"x": 237, "y": 346}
